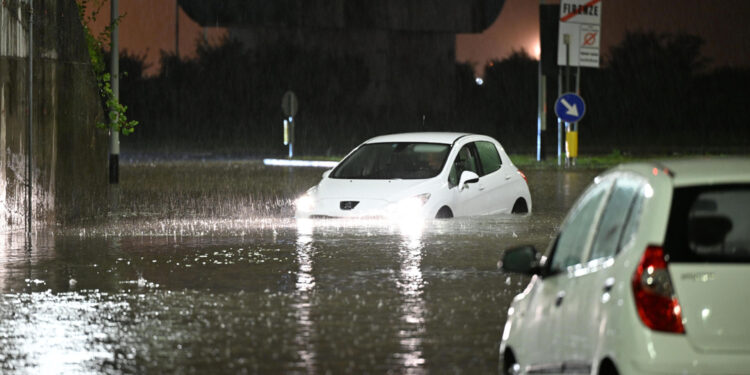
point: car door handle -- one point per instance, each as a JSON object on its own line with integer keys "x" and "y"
{"x": 507, "y": 178}
{"x": 608, "y": 284}
{"x": 559, "y": 298}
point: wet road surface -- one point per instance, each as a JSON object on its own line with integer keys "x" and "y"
{"x": 204, "y": 271}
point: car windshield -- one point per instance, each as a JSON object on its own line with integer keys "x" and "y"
{"x": 390, "y": 161}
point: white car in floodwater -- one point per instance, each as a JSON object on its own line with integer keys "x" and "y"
{"x": 419, "y": 175}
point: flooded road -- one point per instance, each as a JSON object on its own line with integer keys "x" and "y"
{"x": 203, "y": 270}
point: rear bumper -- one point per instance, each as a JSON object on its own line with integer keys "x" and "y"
{"x": 673, "y": 354}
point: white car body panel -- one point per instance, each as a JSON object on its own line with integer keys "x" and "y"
{"x": 717, "y": 323}
{"x": 495, "y": 192}
{"x": 374, "y": 196}
{"x": 597, "y": 320}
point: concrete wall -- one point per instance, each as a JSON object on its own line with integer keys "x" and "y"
{"x": 69, "y": 154}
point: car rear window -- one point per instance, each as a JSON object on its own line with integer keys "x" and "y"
{"x": 710, "y": 224}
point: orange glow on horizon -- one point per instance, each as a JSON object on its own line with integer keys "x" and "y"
{"x": 148, "y": 28}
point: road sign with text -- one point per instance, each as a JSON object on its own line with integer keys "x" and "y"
{"x": 580, "y": 20}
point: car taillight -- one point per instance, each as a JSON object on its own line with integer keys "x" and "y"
{"x": 654, "y": 296}
{"x": 523, "y": 175}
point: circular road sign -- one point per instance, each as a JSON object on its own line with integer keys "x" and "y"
{"x": 570, "y": 107}
{"x": 289, "y": 104}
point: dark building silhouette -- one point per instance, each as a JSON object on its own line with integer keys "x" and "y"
{"x": 407, "y": 47}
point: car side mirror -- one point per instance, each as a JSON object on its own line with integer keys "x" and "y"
{"x": 326, "y": 173}
{"x": 467, "y": 177}
{"x": 523, "y": 259}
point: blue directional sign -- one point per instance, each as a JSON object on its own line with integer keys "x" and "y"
{"x": 570, "y": 107}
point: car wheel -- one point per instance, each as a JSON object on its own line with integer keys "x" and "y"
{"x": 607, "y": 368}
{"x": 509, "y": 365}
{"x": 444, "y": 213}
{"x": 520, "y": 207}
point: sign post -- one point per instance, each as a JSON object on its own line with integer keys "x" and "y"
{"x": 289, "y": 105}
{"x": 578, "y": 45}
{"x": 570, "y": 108}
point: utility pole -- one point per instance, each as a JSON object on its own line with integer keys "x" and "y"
{"x": 29, "y": 143}
{"x": 566, "y": 40}
{"x": 177, "y": 28}
{"x": 114, "y": 133}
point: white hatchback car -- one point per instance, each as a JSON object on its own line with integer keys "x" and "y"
{"x": 424, "y": 175}
{"x": 650, "y": 274}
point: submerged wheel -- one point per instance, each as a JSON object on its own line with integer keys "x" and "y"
{"x": 444, "y": 213}
{"x": 520, "y": 207}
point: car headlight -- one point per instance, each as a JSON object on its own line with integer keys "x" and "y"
{"x": 307, "y": 201}
{"x": 416, "y": 201}
{"x": 408, "y": 207}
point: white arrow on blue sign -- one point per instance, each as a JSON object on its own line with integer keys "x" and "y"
{"x": 570, "y": 107}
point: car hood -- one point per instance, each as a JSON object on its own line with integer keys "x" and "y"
{"x": 389, "y": 190}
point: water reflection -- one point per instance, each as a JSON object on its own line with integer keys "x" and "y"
{"x": 188, "y": 292}
{"x": 304, "y": 287}
{"x": 57, "y": 334}
{"x": 411, "y": 283}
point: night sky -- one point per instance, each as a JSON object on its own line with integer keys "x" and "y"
{"x": 723, "y": 24}
{"x": 149, "y": 28}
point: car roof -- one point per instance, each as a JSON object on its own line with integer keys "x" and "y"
{"x": 709, "y": 170}
{"x": 697, "y": 171}
{"x": 429, "y": 137}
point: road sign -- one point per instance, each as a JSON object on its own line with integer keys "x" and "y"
{"x": 570, "y": 107}
{"x": 581, "y": 21}
{"x": 289, "y": 104}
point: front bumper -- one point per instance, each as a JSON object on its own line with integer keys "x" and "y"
{"x": 364, "y": 208}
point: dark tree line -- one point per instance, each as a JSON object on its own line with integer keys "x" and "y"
{"x": 653, "y": 95}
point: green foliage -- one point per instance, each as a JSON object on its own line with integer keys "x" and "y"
{"x": 525, "y": 161}
{"x": 118, "y": 121}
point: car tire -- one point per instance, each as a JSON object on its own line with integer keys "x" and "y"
{"x": 444, "y": 213}
{"x": 509, "y": 365}
{"x": 607, "y": 367}
{"x": 520, "y": 207}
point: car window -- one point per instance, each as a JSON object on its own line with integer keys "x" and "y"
{"x": 634, "y": 218}
{"x": 465, "y": 161}
{"x": 709, "y": 224}
{"x": 577, "y": 229}
{"x": 614, "y": 218}
{"x": 488, "y": 157}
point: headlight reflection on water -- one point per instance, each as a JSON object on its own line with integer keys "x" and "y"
{"x": 409, "y": 281}
{"x": 304, "y": 287}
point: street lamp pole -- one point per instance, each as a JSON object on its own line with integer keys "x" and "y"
{"x": 114, "y": 133}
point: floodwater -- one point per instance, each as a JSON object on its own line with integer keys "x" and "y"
{"x": 202, "y": 269}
